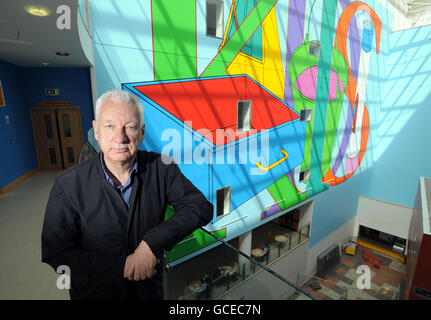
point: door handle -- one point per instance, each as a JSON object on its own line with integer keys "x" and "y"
{"x": 261, "y": 167}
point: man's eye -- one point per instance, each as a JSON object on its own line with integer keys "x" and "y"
{"x": 132, "y": 128}
{"x": 108, "y": 126}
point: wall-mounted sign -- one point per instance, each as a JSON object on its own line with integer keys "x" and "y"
{"x": 52, "y": 92}
{"x": 2, "y": 102}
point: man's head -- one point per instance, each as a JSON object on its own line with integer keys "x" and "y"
{"x": 119, "y": 126}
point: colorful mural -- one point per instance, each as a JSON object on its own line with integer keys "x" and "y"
{"x": 286, "y": 57}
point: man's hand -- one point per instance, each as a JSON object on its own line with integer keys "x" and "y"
{"x": 140, "y": 265}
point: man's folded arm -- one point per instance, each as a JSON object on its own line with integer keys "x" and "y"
{"x": 192, "y": 210}
{"x": 91, "y": 273}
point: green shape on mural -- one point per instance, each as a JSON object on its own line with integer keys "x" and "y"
{"x": 322, "y": 94}
{"x": 285, "y": 194}
{"x": 335, "y": 106}
{"x": 233, "y": 46}
{"x": 174, "y": 39}
{"x": 322, "y": 129}
{"x": 299, "y": 62}
{"x": 193, "y": 242}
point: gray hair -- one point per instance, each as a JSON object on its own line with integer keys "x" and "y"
{"x": 123, "y": 96}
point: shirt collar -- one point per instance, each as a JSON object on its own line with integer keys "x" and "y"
{"x": 108, "y": 178}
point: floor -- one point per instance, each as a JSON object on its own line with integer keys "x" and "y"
{"x": 23, "y": 275}
{"x": 386, "y": 281}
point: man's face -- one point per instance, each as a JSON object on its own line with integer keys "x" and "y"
{"x": 118, "y": 131}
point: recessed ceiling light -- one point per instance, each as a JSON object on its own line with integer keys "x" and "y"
{"x": 36, "y": 10}
{"x": 62, "y": 53}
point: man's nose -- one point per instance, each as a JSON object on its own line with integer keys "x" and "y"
{"x": 120, "y": 135}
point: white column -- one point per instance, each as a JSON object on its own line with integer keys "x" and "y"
{"x": 89, "y": 24}
{"x": 245, "y": 247}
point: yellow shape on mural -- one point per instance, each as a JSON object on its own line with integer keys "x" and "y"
{"x": 269, "y": 71}
{"x": 265, "y": 169}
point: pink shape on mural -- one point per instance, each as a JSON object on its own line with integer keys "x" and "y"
{"x": 351, "y": 164}
{"x": 307, "y": 83}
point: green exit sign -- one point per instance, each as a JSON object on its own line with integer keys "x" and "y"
{"x": 52, "y": 92}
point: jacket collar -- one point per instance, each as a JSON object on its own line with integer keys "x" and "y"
{"x": 137, "y": 167}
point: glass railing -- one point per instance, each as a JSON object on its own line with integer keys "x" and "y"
{"x": 225, "y": 272}
{"x": 283, "y": 242}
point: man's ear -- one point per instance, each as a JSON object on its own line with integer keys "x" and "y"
{"x": 143, "y": 132}
{"x": 96, "y": 132}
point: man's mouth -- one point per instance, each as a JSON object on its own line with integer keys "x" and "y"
{"x": 120, "y": 149}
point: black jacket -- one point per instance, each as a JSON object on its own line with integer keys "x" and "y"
{"x": 88, "y": 227}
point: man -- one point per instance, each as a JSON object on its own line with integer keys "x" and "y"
{"x": 105, "y": 217}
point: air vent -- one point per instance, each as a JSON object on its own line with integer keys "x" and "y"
{"x": 305, "y": 115}
{"x": 314, "y": 49}
{"x": 328, "y": 261}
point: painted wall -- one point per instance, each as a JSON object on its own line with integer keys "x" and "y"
{"x": 395, "y": 158}
{"x": 19, "y": 157}
{"x": 399, "y": 143}
{"x": 23, "y": 87}
{"x": 269, "y": 41}
{"x": 74, "y": 85}
{"x": 337, "y": 206}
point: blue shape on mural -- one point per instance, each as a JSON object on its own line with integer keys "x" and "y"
{"x": 367, "y": 36}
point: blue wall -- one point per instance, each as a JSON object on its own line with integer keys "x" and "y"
{"x": 402, "y": 138}
{"x": 74, "y": 85}
{"x": 398, "y": 152}
{"x": 336, "y": 206}
{"x": 23, "y": 87}
{"x": 19, "y": 157}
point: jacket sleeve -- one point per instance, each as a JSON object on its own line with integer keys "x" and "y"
{"x": 192, "y": 210}
{"x": 92, "y": 274}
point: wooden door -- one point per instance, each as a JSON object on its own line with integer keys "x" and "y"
{"x": 46, "y": 138}
{"x": 57, "y": 135}
{"x": 70, "y": 131}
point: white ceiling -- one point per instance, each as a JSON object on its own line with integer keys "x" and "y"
{"x": 39, "y": 37}
{"x": 413, "y": 7}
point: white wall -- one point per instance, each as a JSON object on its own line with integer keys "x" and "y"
{"x": 306, "y": 214}
{"x": 383, "y": 216}
{"x": 340, "y": 236}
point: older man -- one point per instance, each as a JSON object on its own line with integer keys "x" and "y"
{"x": 105, "y": 217}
